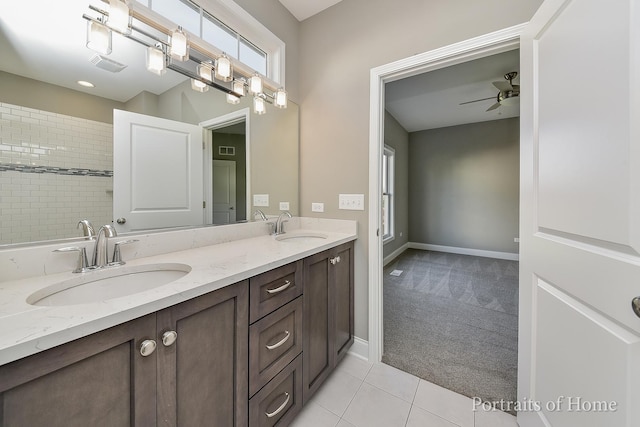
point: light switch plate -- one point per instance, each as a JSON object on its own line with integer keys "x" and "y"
{"x": 352, "y": 202}
{"x": 261, "y": 200}
{"x": 284, "y": 206}
{"x": 317, "y": 207}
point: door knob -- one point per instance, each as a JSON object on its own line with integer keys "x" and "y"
{"x": 121, "y": 220}
{"x": 635, "y": 305}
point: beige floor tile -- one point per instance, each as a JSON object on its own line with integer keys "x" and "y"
{"x": 372, "y": 407}
{"x": 354, "y": 366}
{"x": 421, "y": 418}
{"x": 337, "y": 392}
{"x": 344, "y": 423}
{"x": 394, "y": 381}
{"x": 447, "y": 404}
{"x": 494, "y": 419}
{"x": 313, "y": 415}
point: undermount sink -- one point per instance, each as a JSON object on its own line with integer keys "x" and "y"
{"x": 300, "y": 235}
{"x": 108, "y": 283}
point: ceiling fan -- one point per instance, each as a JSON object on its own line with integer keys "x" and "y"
{"x": 508, "y": 94}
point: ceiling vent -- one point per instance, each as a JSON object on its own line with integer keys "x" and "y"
{"x": 107, "y": 64}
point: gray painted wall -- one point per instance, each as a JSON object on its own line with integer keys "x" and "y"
{"x": 464, "y": 186}
{"x": 337, "y": 49}
{"x": 396, "y": 137}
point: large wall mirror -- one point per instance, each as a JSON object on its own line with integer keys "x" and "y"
{"x": 57, "y": 137}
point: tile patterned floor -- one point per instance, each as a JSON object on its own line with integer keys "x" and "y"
{"x": 363, "y": 394}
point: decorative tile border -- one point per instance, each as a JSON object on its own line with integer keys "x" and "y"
{"x": 54, "y": 170}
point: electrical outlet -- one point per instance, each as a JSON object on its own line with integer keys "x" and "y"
{"x": 284, "y": 206}
{"x": 317, "y": 207}
{"x": 352, "y": 202}
{"x": 261, "y": 200}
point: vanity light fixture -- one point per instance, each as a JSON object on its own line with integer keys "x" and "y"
{"x": 119, "y": 16}
{"x": 259, "y": 106}
{"x": 98, "y": 37}
{"x": 255, "y": 84}
{"x": 156, "y": 60}
{"x": 224, "y": 69}
{"x": 164, "y": 48}
{"x": 280, "y": 98}
{"x": 179, "y": 48}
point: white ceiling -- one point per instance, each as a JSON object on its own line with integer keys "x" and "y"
{"x": 431, "y": 100}
{"x": 303, "y": 9}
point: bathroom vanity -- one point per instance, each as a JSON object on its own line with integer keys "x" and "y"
{"x": 243, "y": 339}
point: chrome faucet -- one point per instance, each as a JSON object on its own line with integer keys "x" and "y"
{"x": 262, "y": 215}
{"x": 100, "y": 251}
{"x": 87, "y": 229}
{"x": 280, "y": 222}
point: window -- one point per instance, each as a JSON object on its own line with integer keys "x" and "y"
{"x": 388, "y": 160}
{"x": 197, "y": 21}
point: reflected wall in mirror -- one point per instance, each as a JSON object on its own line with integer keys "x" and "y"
{"x": 56, "y": 138}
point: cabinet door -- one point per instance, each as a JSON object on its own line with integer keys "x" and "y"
{"x": 203, "y": 375}
{"x": 318, "y": 338}
{"x": 98, "y": 380}
{"x": 341, "y": 278}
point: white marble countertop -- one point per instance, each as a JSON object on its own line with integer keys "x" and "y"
{"x": 27, "y": 329}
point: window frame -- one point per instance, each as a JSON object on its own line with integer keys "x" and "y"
{"x": 388, "y": 164}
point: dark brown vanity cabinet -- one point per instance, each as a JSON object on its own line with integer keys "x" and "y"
{"x": 185, "y": 365}
{"x": 328, "y": 314}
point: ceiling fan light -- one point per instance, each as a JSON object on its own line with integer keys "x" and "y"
{"x": 179, "y": 48}
{"x": 155, "y": 61}
{"x": 98, "y": 37}
{"x": 510, "y": 101}
{"x": 119, "y": 16}
{"x": 224, "y": 69}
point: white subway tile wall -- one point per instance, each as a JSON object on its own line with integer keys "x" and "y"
{"x": 48, "y": 205}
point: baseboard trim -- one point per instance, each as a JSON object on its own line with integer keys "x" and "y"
{"x": 465, "y": 251}
{"x": 360, "y": 349}
{"x": 393, "y": 255}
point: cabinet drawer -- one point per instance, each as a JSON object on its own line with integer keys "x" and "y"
{"x": 271, "y": 290}
{"x": 274, "y": 341}
{"x": 280, "y": 400}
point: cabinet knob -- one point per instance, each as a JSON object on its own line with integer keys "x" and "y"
{"x": 335, "y": 260}
{"x": 147, "y": 347}
{"x": 169, "y": 338}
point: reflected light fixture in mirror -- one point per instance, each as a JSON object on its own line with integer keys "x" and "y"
{"x": 98, "y": 37}
{"x": 280, "y": 98}
{"x": 224, "y": 70}
{"x": 179, "y": 48}
{"x": 155, "y": 60}
{"x": 259, "y": 106}
{"x": 238, "y": 87}
{"x": 119, "y": 16}
{"x": 255, "y": 84}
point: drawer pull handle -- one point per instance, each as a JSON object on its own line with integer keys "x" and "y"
{"x": 281, "y": 288}
{"x": 280, "y": 408}
{"x": 279, "y": 343}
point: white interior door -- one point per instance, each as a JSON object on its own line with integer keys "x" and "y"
{"x": 580, "y": 214}
{"x": 224, "y": 191}
{"x": 157, "y": 179}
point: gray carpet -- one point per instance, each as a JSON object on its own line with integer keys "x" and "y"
{"x": 453, "y": 320}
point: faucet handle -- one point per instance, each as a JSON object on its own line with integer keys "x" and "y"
{"x": 83, "y": 264}
{"x": 117, "y": 257}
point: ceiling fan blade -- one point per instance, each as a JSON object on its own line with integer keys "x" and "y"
{"x": 477, "y": 100}
{"x": 493, "y": 107}
{"x": 503, "y": 86}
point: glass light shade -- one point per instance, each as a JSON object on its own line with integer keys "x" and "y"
{"x": 232, "y": 99}
{"x": 199, "y": 86}
{"x": 238, "y": 87}
{"x": 280, "y": 98}
{"x": 255, "y": 84}
{"x": 205, "y": 71}
{"x": 119, "y": 16}
{"x": 224, "y": 69}
{"x": 179, "y": 48}
{"x": 98, "y": 37}
{"x": 259, "y": 106}
{"x": 155, "y": 61}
